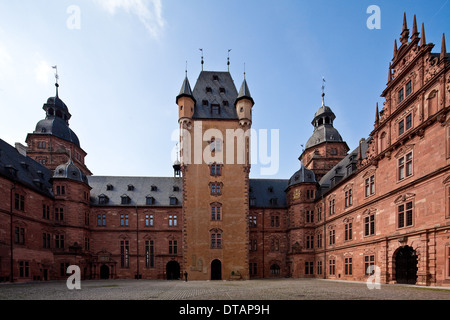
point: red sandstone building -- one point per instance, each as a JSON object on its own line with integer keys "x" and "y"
{"x": 385, "y": 204}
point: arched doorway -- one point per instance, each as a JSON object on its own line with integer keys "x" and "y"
{"x": 216, "y": 270}
{"x": 104, "y": 272}
{"x": 173, "y": 270}
{"x": 406, "y": 265}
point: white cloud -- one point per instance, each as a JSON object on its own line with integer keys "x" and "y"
{"x": 43, "y": 72}
{"x": 149, "y": 12}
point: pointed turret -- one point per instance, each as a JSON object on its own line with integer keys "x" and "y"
{"x": 185, "y": 89}
{"x": 244, "y": 104}
{"x": 185, "y": 100}
{"x": 423, "y": 42}
{"x": 443, "y": 55}
{"x": 415, "y": 33}
{"x": 389, "y": 73}
{"x": 405, "y": 31}
{"x": 395, "y": 48}
{"x": 244, "y": 92}
{"x": 377, "y": 115}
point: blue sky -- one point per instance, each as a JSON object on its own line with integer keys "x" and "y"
{"x": 121, "y": 64}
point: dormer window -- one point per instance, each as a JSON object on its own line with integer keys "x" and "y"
{"x": 154, "y": 188}
{"x": 205, "y": 103}
{"x": 173, "y": 201}
{"x": 222, "y": 90}
{"x": 273, "y": 201}
{"x": 130, "y": 187}
{"x": 208, "y": 90}
{"x": 149, "y": 200}
{"x": 225, "y": 103}
{"x": 270, "y": 189}
{"x": 125, "y": 199}
{"x": 176, "y": 188}
{"x": 103, "y": 199}
{"x": 215, "y": 109}
{"x": 216, "y": 77}
{"x": 109, "y": 187}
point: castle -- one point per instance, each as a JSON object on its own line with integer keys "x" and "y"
{"x": 382, "y": 208}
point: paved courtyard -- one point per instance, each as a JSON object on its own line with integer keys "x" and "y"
{"x": 279, "y": 289}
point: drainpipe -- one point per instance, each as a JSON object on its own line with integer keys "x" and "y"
{"x": 13, "y": 187}
{"x": 137, "y": 243}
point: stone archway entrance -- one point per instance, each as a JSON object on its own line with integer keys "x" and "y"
{"x": 104, "y": 272}
{"x": 173, "y": 270}
{"x": 406, "y": 265}
{"x": 216, "y": 270}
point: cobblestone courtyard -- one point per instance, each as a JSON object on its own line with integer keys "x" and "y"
{"x": 280, "y": 289}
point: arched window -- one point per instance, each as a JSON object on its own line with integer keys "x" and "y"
{"x": 275, "y": 269}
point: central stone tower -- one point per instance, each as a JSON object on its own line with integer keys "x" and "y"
{"x": 215, "y": 121}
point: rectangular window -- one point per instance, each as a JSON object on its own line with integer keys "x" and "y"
{"x": 348, "y": 264}
{"x": 369, "y": 225}
{"x": 405, "y": 166}
{"x": 348, "y": 234}
{"x": 173, "y": 247}
{"x": 309, "y": 216}
{"x": 405, "y": 215}
{"x": 19, "y": 202}
{"x": 252, "y": 221}
{"x": 401, "y": 127}
{"x": 401, "y": 95}
{"x": 46, "y": 240}
{"x": 19, "y": 237}
{"x": 331, "y": 207}
{"x": 59, "y": 214}
{"x": 101, "y": 220}
{"x": 124, "y": 220}
{"x": 332, "y": 237}
{"x": 319, "y": 267}
{"x": 59, "y": 241}
{"x": 319, "y": 240}
{"x": 172, "y": 220}
{"x": 408, "y": 121}
{"x": 216, "y": 213}
{"x": 124, "y": 253}
{"x": 309, "y": 242}
{"x": 369, "y": 186}
{"x": 149, "y": 220}
{"x": 332, "y": 264}
{"x": 348, "y": 198}
{"x": 216, "y": 241}
{"x": 309, "y": 267}
{"x": 369, "y": 265}
{"x": 408, "y": 88}
{"x": 24, "y": 269}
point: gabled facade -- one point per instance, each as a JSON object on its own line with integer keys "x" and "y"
{"x": 381, "y": 210}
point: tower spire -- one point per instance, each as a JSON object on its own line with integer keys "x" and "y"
{"x": 377, "y": 115}
{"x": 405, "y": 31}
{"x": 415, "y": 33}
{"x": 423, "y": 42}
{"x": 395, "y": 48}
{"x": 443, "y": 55}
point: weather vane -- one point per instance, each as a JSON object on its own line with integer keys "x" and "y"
{"x": 228, "y": 60}
{"x": 56, "y": 77}
{"x": 202, "y": 58}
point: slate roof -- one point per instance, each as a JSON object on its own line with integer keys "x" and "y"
{"x": 24, "y": 170}
{"x": 344, "y": 168}
{"x": 262, "y": 191}
{"x": 222, "y": 89}
{"x": 302, "y": 176}
{"x": 57, "y": 127}
{"x": 323, "y": 133}
{"x": 142, "y": 188}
